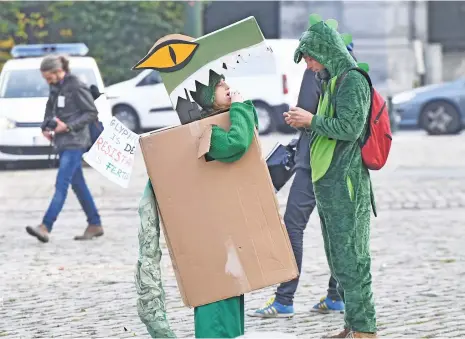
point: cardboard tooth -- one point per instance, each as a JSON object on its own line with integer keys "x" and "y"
{"x": 203, "y": 76}
{"x": 217, "y": 67}
{"x": 178, "y": 92}
{"x": 190, "y": 84}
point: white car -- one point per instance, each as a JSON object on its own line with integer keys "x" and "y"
{"x": 142, "y": 103}
{"x": 24, "y": 94}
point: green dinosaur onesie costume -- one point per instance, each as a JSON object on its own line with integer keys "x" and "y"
{"x": 221, "y": 319}
{"x": 341, "y": 182}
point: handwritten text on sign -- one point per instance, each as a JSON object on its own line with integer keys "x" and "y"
{"x": 113, "y": 153}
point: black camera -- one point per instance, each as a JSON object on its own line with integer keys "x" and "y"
{"x": 95, "y": 92}
{"x": 281, "y": 163}
{"x": 49, "y": 124}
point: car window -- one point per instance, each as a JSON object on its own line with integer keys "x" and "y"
{"x": 151, "y": 79}
{"x": 28, "y": 83}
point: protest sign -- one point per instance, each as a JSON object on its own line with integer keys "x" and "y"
{"x": 113, "y": 153}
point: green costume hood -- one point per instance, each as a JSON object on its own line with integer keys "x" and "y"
{"x": 324, "y": 44}
{"x": 205, "y": 95}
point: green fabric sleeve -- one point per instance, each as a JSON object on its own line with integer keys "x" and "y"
{"x": 230, "y": 146}
{"x": 352, "y": 105}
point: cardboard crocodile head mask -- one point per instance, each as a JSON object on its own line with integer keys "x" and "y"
{"x": 187, "y": 65}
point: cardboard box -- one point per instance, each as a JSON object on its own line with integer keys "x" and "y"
{"x": 221, "y": 221}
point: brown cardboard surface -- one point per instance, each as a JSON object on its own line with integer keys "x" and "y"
{"x": 204, "y": 142}
{"x": 221, "y": 221}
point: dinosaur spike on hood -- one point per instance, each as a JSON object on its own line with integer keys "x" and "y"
{"x": 332, "y": 23}
{"x": 308, "y": 46}
{"x": 347, "y": 38}
{"x": 325, "y": 45}
{"x": 364, "y": 66}
{"x": 313, "y": 19}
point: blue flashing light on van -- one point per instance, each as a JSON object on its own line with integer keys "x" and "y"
{"x": 38, "y": 50}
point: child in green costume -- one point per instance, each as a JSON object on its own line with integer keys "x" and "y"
{"x": 224, "y": 319}
{"x": 341, "y": 181}
{"x": 221, "y": 319}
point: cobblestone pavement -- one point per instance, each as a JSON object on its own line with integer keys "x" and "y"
{"x": 86, "y": 289}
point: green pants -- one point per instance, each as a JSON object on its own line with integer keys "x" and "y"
{"x": 221, "y": 319}
{"x": 344, "y": 206}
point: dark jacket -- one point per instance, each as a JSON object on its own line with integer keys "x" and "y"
{"x": 309, "y": 95}
{"x": 79, "y": 110}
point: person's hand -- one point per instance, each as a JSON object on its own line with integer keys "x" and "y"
{"x": 298, "y": 118}
{"x": 61, "y": 126}
{"x": 47, "y": 135}
{"x": 236, "y": 97}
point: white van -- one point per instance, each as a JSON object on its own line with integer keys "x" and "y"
{"x": 24, "y": 94}
{"x": 283, "y": 50}
{"x": 142, "y": 102}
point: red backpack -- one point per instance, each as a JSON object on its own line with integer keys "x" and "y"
{"x": 377, "y": 142}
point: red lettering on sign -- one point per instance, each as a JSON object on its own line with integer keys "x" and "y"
{"x": 99, "y": 142}
{"x": 115, "y": 154}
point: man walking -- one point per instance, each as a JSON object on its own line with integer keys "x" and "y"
{"x": 69, "y": 110}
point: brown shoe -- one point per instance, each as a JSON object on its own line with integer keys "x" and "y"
{"x": 40, "y": 232}
{"x": 90, "y": 232}
{"x": 342, "y": 334}
{"x": 361, "y": 335}
{"x": 352, "y": 334}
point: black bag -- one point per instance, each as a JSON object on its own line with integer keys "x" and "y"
{"x": 96, "y": 127}
{"x": 281, "y": 164}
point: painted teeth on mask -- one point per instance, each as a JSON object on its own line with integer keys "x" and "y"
{"x": 203, "y": 77}
{"x": 242, "y": 58}
{"x": 261, "y": 50}
{"x": 232, "y": 62}
{"x": 178, "y": 92}
{"x": 217, "y": 67}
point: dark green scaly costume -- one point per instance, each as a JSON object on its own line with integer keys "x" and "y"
{"x": 341, "y": 181}
{"x": 222, "y": 319}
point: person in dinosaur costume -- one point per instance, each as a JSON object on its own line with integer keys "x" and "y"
{"x": 225, "y": 318}
{"x": 192, "y": 70}
{"x": 300, "y": 205}
{"x": 341, "y": 181}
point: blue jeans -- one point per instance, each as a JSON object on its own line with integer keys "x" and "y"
{"x": 70, "y": 172}
{"x": 300, "y": 205}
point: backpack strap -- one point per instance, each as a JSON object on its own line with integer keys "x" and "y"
{"x": 358, "y": 69}
{"x": 367, "y": 77}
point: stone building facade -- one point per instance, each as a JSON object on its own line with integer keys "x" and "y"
{"x": 382, "y": 32}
